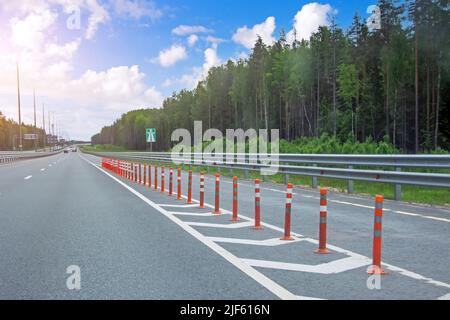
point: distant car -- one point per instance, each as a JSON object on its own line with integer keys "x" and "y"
{"x": 66, "y": 150}
{"x": 74, "y": 149}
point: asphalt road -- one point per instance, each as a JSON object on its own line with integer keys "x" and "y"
{"x": 132, "y": 242}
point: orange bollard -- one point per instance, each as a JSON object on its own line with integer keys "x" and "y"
{"x": 189, "y": 200}
{"x": 162, "y": 179}
{"x": 135, "y": 172}
{"x": 202, "y": 190}
{"x": 287, "y": 216}
{"x": 170, "y": 182}
{"x": 257, "y": 205}
{"x": 150, "y": 176}
{"x": 179, "y": 184}
{"x": 156, "y": 178}
{"x": 377, "y": 233}
{"x": 140, "y": 173}
{"x": 217, "y": 197}
{"x": 235, "y": 200}
{"x": 323, "y": 223}
{"x": 145, "y": 174}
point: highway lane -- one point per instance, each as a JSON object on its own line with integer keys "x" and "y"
{"x": 132, "y": 242}
{"x": 415, "y": 246}
{"x": 73, "y": 214}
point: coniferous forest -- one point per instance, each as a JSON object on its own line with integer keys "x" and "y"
{"x": 390, "y": 85}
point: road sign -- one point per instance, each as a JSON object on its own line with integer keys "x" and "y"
{"x": 150, "y": 135}
{"x": 51, "y": 139}
{"x": 30, "y": 136}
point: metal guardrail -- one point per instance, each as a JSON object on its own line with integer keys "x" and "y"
{"x": 338, "y": 166}
{"x": 11, "y": 156}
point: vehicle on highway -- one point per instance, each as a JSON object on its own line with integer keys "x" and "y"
{"x": 66, "y": 150}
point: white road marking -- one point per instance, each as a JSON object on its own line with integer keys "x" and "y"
{"x": 445, "y": 297}
{"x": 221, "y": 226}
{"x": 43, "y": 169}
{"x": 50, "y": 165}
{"x": 336, "y": 266}
{"x": 191, "y": 214}
{"x": 179, "y": 205}
{"x": 263, "y": 280}
{"x": 264, "y": 243}
{"x": 29, "y": 177}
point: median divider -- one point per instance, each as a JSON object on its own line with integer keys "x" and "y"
{"x": 132, "y": 171}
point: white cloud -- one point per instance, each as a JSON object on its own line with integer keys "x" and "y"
{"x": 212, "y": 39}
{"x": 65, "y": 51}
{"x": 29, "y": 32}
{"x": 137, "y": 8}
{"x": 247, "y": 37}
{"x": 211, "y": 59}
{"x": 192, "y": 39}
{"x": 171, "y": 56}
{"x": 98, "y": 16}
{"x": 309, "y": 19}
{"x": 184, "y": 30}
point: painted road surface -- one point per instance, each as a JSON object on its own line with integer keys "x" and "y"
{"x": 131, "y": 241}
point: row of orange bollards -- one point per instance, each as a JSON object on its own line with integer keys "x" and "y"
{"x": 132, "y": 172}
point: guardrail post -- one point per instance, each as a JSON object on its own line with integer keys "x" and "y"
{"x": 286, "y": 178}
{"x": 314, "y": 179}
{"x": 398, "y": 188}
{"x": 246, "y": 173}
{"x": 350, "y": 183}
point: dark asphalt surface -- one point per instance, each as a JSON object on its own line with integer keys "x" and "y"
{"x": 73, "y": 214}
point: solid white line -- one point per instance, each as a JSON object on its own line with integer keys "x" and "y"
{"x": 191, "y": 214}
{"x": 445, "y": 297}
{"x": 266, "y": 282}
{"x": 29, "y": 177}
{"x": 178, "y": 205}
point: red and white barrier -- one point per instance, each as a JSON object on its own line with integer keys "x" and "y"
{"x": 155, "y": 184}
{"x": 202, "y": 190}
{"x": 217, "y": 196}
{"x": 170, "y": 182}
{"x": 179, "y": 184}
{"x": 377, "y": 235}
{"x": 287, "y": 215}
{"x": 235, "y": 200}
{"x": 323, "y": 223}
{"x": 189, "y": 199}
{"x": 162, "y": 179}
{"x": 257, "y": 225}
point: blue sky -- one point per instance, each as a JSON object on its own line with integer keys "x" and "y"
{"x": 126, "y": 54}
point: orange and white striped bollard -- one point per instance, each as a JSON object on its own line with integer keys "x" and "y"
{"x": 235, "y": 200}
{"x": 323, "y": 223}
{"x": 377, "y": 233}
{"x": 217, "y": 196}
{"x": 189, "y": 199}
{"x": 170, "y": 182}
{"x": 162, "y": 179}
{"x": 287, "y": 215}
{"x": 257, "y": 205}
{"x": 202, "y": 190}
{"x": 179, "y": 184}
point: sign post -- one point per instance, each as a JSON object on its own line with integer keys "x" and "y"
{"x": 150, "y": 137}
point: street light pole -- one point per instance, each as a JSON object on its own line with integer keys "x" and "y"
{"x": 35, "y": 128}
{"x": 18, "y": 105}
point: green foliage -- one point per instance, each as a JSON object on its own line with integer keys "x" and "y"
{"x": 349, "y": 85}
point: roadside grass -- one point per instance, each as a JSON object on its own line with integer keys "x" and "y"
{"x": 104, "y": 148}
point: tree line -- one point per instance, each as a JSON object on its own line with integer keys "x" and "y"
{"x": 387, "y": 84}
{"x": 9, "y": 135}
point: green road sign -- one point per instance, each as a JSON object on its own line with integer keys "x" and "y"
{"x": 150, "y": 135}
